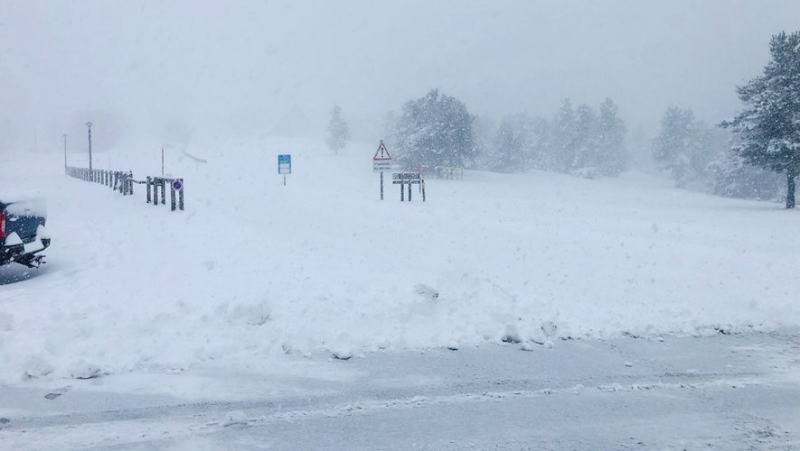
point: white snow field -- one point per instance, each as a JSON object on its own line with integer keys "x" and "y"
{"x": 254, "y": 270}
{"x": 218, "y": 327}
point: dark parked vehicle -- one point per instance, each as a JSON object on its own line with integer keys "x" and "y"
{"x": 22, "y": 233}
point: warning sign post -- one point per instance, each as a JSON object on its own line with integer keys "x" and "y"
{"x": 381, "y": 161}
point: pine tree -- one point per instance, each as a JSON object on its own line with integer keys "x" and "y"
{"x": 587, "y": 156}
{"x": 564, "y": 138}
{"x": 770, "y": 126}
{"x": 611, "y": 140}
{"x": 682, "y": 148}
{"x": 339, "y": 131}
{"x": 511, "y": 144}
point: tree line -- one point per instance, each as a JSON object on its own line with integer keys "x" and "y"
{"x": 741, "y": 157}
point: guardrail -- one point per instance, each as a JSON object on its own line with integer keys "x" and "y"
{"x": 123, "y": 182}
{"x": 117, "y": 180}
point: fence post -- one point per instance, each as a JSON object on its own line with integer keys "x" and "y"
{"x": 147, "y": 183}
{"x": 402, "y": 191}
{"x": 163, "y": 191}
{"x": 171, "y": 199}
{"x": 180, "y": 196}
{"x": 130, "y": 183}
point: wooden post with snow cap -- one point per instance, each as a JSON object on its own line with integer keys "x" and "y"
{"x": 180, "y": 196}
{"x": 172, "y": 198}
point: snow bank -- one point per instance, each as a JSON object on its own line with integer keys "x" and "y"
{"x": 253, "y": 270}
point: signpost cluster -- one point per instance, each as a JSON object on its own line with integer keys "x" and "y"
{"x": 382, "y": 162}
{"x": 408, "y": 178}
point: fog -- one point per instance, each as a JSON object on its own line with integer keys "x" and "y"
{"x": 147, "y": 68}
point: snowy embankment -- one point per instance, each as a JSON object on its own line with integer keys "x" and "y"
{"x": 253, "y": 270}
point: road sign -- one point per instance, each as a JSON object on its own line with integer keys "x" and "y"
{"x": 381, "y": 161}
{"x": 382, "y": 154}
{"x": 406, "y": 178}
{"x": 284, "y": 164}
{"x": 177, "y": 185}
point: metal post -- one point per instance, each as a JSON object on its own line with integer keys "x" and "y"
{"x": 180, "y": 196}
{"x": 409, "y": 191}
{"x": 130, "y": 183}
{"x": 89, "y": 124}
{"x": 422, "y": 184}
{"x": 171, "y": 199}
{"x": 148, "y": 189}
{"x": 381, "y": 185}
{"x": 163, "y": 191}
{"x": 402, "y": 191}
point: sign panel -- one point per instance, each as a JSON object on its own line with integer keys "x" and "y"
{"x": 284, "y": 164}
{"x": 381, "y": 166}
{"x": 382, "y": 154}
{"x": 177, "y": 185}
{"x": 409, "y": 178}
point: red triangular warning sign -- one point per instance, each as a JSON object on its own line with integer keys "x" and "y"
{"x": 382, "y": 154}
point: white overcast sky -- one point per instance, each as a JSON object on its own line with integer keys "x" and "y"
{"x": 245, "y": 63}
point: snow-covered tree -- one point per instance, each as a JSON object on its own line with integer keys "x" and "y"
{"x": 511, "y": 145}
{"x": 683, "y": 149}
{"x": 338, "y": 130}
{"x": 611, "y": 140}
{"x": 564, "y": 138}
{"x": 484, "y": 130}
{"x": 587, "y": 155}
{"x": 733, "y": 177}
{"x": 770, "y": 126}
{"x": 435, "y": 130}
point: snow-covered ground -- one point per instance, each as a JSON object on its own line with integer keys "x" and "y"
{"x": 253, "y": 271}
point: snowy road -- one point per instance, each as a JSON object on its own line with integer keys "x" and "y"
{"x": 720, "y": 392}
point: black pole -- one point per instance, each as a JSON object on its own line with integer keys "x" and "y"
{"x": 409, "y": 191}
{"x": 381, "y": 185}
{"x": 402, "y": 191}
{"x": 89, "y": 124}
{"x": 148, "y": 189}
{"x": 172, "y": 199}
{"x": 423, "y": 190}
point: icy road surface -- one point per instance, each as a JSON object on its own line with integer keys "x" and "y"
{"x": 721, "y": 392}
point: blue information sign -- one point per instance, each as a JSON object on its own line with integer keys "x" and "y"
{"x": 284, "y": 164}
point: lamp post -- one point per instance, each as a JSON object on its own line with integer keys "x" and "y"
{"x": 89, "y": 124}
{"x": 65, "y": 153}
